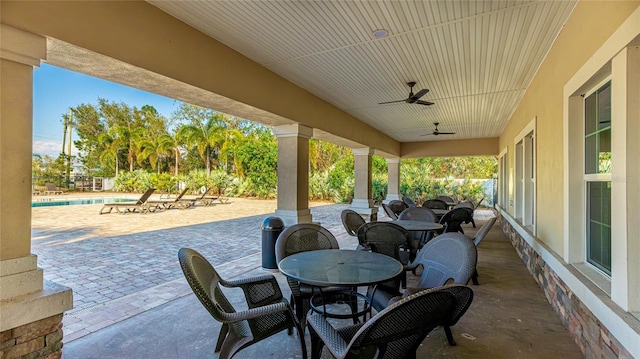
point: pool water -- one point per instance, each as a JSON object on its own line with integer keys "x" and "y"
{"x": 74, "y": 201}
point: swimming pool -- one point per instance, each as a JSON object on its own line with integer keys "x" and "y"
{"x": 51, "y": 202}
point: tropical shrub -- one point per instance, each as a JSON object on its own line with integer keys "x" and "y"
{"x": 220, "y": 180}
{"x": 135, "y": 181}
{"x": 319, "y": 188}
{"x": 163, "y": 182}
{"x": 379, "y": 187}
{"x": 237, "y": 187}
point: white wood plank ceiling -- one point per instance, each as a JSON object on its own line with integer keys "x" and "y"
{"x": 476, "y": 57}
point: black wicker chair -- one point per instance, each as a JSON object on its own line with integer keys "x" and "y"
{"x": 408, "y": 201}
{"x": 352, "y": 220}
{"x": 446, "y": 199}
{"x": 392, "y": 240}
{"x": 423, "y": 214}
{"x": 435, "y": 204}
{"x": 297, "y": 238}
{"x": 268, "y": 312}
{"x": 397, "y": 206}
{"x": 470, "y": 208}
{"x": 453, "y": 220}
{"x": 395, "y": 332}
{"x": 389, "y": 212}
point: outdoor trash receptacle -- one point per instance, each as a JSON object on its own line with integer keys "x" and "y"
{"x": 271, "y": 229}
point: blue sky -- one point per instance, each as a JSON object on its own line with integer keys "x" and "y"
{"x": 55, "y": 90}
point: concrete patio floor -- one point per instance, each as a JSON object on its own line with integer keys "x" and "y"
{"x": 131, "y": 300}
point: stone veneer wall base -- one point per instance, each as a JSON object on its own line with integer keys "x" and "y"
{"x": 40, "y": 339}
{"x": 591, "y": 336}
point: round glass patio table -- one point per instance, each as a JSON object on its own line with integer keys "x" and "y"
{"x": 342, "y": 268}
{"x": 336, "y": 267}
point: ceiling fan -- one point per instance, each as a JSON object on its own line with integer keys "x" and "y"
{"x": 413, "y": 98}
{"x": 436, "y": 132}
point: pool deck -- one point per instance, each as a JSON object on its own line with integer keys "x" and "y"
{"x": 131, "y": 300}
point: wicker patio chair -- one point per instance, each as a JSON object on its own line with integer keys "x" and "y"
{"x": 471, "y": 208}
{"x": 435, "y": 204}
{"x": 395, "y": 332}
{"x": 392, "y": 240}
{"x": 454, "y": 219}
{"x": 352, "y": 220}
{"x": 423, "y": 214}
{"x": 268, "y": 312}
{"x": 397, "y": 206}
{"x": 446, "y": 199}
{"x": 389, "y": 212}
{"x": 297, "y": 238}
{"x": 480, "y": 234}
{"x": 450, "y": 258}
{"x": 408, "y": 201}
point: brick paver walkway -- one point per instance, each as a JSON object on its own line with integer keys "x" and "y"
{"x": 121, "y": 265}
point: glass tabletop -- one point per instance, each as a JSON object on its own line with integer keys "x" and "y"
{"x": 333, "y": 267}
{"x": 418, "y": 225}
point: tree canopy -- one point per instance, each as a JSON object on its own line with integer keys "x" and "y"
{"x": 197, "y": 145}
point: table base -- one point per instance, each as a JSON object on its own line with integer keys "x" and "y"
{"x": 321, "y": 301}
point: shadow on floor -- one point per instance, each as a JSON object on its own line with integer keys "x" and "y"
{"x": 509, "y": 318}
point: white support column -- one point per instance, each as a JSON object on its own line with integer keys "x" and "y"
{"x": 625, "y": 188}
{"x": 24, "y": 296}
{"x": 293, "y": 173}
{"x": 393, "y": 182}
{"x": 363, "y": 198}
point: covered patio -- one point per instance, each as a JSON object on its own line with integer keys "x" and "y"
{"x": 532, "y": 82}
{"x": 150, "y": 311}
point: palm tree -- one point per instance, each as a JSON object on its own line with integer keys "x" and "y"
{"x": 155, "y": 149}
{"x": 205, "y": 136}
{"x": 113, "y": 144}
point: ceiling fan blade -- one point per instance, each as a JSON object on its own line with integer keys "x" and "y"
{"x": 446, "y": 133}
{"x": 426, "y": 103}
{"x": 382, "y": 103}
{"x": 419, "y": 94}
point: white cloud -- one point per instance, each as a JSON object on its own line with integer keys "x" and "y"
{"x": 50, "y": 148}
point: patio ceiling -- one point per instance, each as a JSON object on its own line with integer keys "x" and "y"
{"x": 476, "y": 57}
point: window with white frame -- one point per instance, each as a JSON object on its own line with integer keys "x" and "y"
{"x": 503, "y": 185}
{"x": 597, "y": 176}
{"x": 602, "y": 136}
{"x": 525, "y": 177}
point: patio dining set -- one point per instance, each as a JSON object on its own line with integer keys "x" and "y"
{"x": 367, "y": 286}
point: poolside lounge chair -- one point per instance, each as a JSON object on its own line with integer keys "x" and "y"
{"x": 51, "y": 189}
{"x": 171, "y": 202}
{"x": 141, "y": 206}
{"x": 203, "y": 198}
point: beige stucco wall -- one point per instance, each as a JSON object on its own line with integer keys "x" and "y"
{"x": 591, "y": 23}
{"x": 451, "y": 148}
{"x": 140, "y": 34}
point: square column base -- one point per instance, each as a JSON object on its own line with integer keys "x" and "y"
{"x": 391, "y": 197}
{"x": 290, "y": 217}
{"x": 366, "y": 208}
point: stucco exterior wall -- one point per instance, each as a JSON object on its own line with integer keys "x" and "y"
{"x": 450, "y": 148}
{"x": 591, "y": 23}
